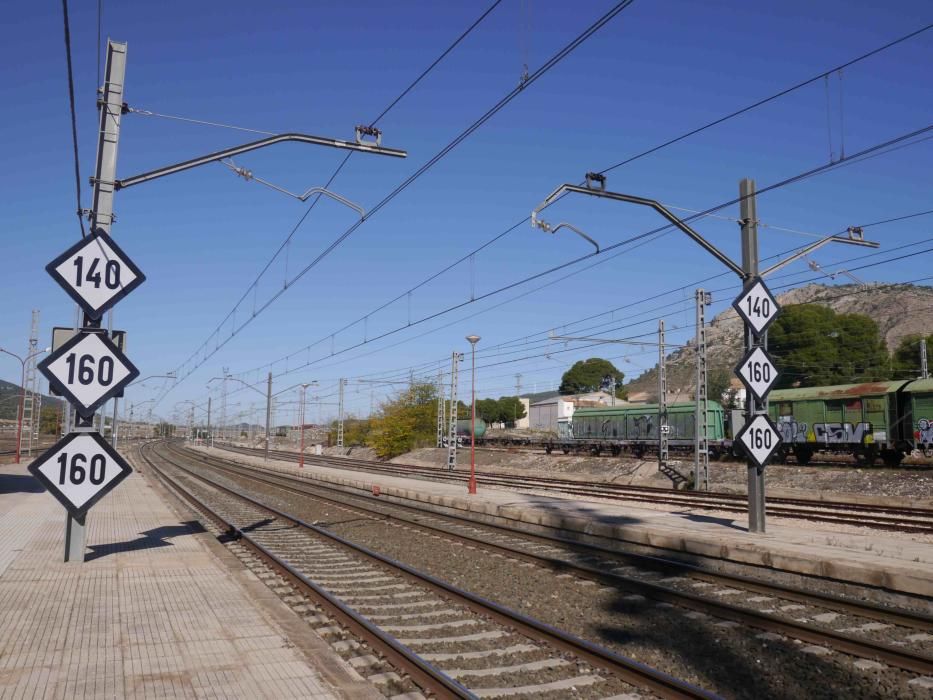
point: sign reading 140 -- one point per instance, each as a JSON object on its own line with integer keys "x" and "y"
{"x": 757, "y": 306}
{"x": 96, "y": 273}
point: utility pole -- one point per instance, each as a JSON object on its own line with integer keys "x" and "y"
{"x": 342, "y": 383}
{"x": 701, "y": 410}
{"x": 32, "y": 399}
{"x": 268, "y": 411}
{"x": 441, "y": 413}
{"x": 209, "y": 433}
{"x": 455, "y": 361}
{"x": 748, "y": 217}
{"x": 924, "y": 373}
{"x": 518, "y": 394}
{"x": 663, "y": 427}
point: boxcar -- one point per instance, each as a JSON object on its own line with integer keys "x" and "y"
{"x": 917, "y": 415}
{"x": 635, "y": 427}
{"x": 865, "y": 420}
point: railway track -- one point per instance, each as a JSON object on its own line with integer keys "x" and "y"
{"x": 900, "y": 519}
{"x": 450, "y": 642}
{"x": 858, "y": 625}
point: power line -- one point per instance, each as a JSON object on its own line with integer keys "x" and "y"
{"x": 654, "y": 149}
{"x": 628, "y": 241}
{"x": 502, "y": 103}
{"x": 74, "y": 118}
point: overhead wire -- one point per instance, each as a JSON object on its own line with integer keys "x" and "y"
{"x": 502, "y": 103}
{"x": 796, "y": 178}
{"x": 649, "y": 151}
{"x": 74, "y": 118}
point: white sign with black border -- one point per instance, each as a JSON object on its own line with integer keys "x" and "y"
{"x": 760, "y": 439}
{"x": 756, "y": 306}
{"x": 88, "y": 370}
{"x": 96, "y": 273}
{"x": 758, "y": 372}
{"x": 80, "y": 470}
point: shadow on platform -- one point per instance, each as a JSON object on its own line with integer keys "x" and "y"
{"x": 20, "y": 483}
{"x": 725, "y": 522}
{"x": 150, "y": 539}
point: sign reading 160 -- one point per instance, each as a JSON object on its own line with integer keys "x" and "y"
{"x": 85, "y": 369}
{"x": 761, "y": 438}
{"x": 79, "y": 469}
{"x": 111, "y": 277}
{"x": 759, "y": 371}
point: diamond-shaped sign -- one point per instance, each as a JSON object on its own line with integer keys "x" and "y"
{"x": 96, "y": 273}
{"x": 79, "y": 470}
{"x": 88, "y": 370}
{"x": 757, "y": 372}
{"x": 760, "y": 439}
{"x": 757, "y": 306}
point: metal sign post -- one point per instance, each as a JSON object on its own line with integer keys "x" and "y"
{"x": 756, "y": 305}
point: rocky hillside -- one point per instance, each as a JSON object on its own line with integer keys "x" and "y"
{"x": 899, "y": 310}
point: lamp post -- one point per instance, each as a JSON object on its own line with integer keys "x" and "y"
{"x": 22, "y": 396}
{"x": 471, "y": 489}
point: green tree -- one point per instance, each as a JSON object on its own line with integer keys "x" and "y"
{"x": 905, "y": 361}
{"x": 719, "y": 385}
{"x": 511, "y": 409}
{"x": 488, "y": 410}
{"x": 48, "y": 420}
{"x": 591, "y": 375}
{"x": 813, "y": 346}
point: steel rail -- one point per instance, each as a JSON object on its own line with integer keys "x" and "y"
{"x": 424, "y": 673}
{"x": 880, "y": 517}
{"x": 902, "y": 617}
{"x": 919, "y": 663}
{"x": 625, "y": 668}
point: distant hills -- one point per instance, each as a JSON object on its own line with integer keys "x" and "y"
{"x": 9, "y": 400}
{"x": 898, "y": 309}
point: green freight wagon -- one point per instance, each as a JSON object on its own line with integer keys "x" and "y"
{"x": 864, "y": 420}
{"x": 635, "y": 427}
{"x": 917, "y": 409}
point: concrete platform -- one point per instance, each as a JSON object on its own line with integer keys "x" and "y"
{"x": 159, "y": 609}
{"x": 895, "y": 563}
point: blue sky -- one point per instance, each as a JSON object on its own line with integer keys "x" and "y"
{"x": 652, "y": 73}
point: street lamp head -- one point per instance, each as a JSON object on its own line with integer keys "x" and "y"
{"x": 474, "y": 339}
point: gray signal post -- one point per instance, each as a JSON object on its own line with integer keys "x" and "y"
{"x": 92, "y": 467}
{"x": 757, "y": 421}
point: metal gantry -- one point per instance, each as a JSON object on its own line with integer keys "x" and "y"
{"x": 748, "y": 272}
{"x": 455, "y": 360}
{"x": 342, "y": 383}
{"x": 441, "y": 413}
{"x": 701, "y": 410}
{"x": 32, "y": 398}
{"x": 663, "y": 427}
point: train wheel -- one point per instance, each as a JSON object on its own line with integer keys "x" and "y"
{"x": 548, "y": 449}
{"x": 892, "y": 458}
{"x": 616, "y": 450}
{"x": 803, "y": 455}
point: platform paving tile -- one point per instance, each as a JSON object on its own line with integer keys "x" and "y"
{"x": 152, "y": 613}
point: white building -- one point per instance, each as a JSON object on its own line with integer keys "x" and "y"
{"x": 554, "y": 414}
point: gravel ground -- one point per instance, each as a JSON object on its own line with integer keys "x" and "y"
{"x": 732, "y": 660}
{"x": 914, "y": 484}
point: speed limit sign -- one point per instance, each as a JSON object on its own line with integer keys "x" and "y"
{"x": 88, "y": 370}
{"x": 96, "y": 273}
{"x": 80, "y": 470}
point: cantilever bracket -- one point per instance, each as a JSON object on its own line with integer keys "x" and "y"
{"x": 248, "y": 175}
{"x": 548, "y": 228}
{"x": 261, "y": 143}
